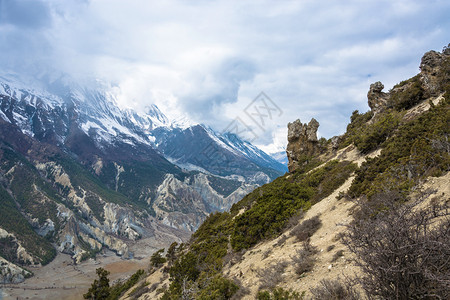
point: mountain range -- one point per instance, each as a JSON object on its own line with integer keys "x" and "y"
{"x": 79, "y": 174}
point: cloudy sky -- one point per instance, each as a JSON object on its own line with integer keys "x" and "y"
{"x": 210, "y": 59}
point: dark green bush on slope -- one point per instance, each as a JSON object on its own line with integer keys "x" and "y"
{"x": 100, "y": 288}
{"x": 369, "y": 136}
{"x": 410, "y": 95}
{"x": 157, "y": 260}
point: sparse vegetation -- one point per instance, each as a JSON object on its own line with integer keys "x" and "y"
{"x": 304, "y": 259}
{"x": 141, "y": 290}
{"x": 271, "y": 275}
{"x": 306, "y": 229}
{"x": 223, "y": 186}
{"x": 281, "y": 240}
{"x": 271, "y": 206}
{"x": 260, "y": 215}
{"x": 334, "y": 289}
{"x": 14, "y": 222}
{"x": 119, "y": 289}
{"x": 402, "y": 248}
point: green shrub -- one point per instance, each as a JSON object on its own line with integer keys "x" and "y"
{"x": 407, "y": 94}
{"x": 357, "y": 124}
{"x": 100, "y": 287}
{"x": 157, "y": 260}
{"x": 369, "y": 136}
{"x": 185, "y": 269}
{"x": 171, "y": 254}
{"x": 217, "y": 288}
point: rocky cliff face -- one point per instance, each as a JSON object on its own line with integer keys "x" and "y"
{"x": 302, "y": 143}
{"x": 185, "y": 204}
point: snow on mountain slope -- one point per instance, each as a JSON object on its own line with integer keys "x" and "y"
{"x": 50, "y": 111}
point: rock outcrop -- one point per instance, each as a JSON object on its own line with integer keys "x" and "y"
{"x": 376, "y": 98}
{"x": 302, "y": 142}
{"x": 431, "y": 68}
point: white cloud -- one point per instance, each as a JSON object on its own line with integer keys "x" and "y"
{"x": 209, "y": 59}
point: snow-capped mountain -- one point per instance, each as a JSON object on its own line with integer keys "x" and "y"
{"x": 200, "y": 148}
{"x": 86, "y": 174}
{"x": 53, "y": 117}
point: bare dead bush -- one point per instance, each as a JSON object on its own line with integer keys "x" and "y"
{"x": 403, "y": 248}
{"x": 241, "y": 292}
{"x": 233, "y": 258}
{"x": 161, "y": 289}
{"x": 281, "y": 240}
{"x": 295, "y": 219}
{"x": 333, "y": 289}
{"x": 153, "y": 287}
{"x": 305, "y": 258}
{"x": 337, "y": 255}
{"x": 271, "y": 276}
{"x": 306, "y": 229}
{"x": 140, "y": 290}
{"x": 266, "y": 253}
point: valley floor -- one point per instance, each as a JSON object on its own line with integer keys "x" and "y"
{"x": 62, "y": 279}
